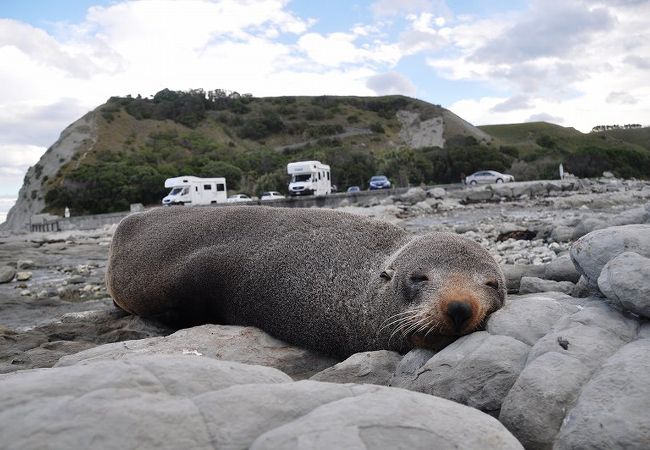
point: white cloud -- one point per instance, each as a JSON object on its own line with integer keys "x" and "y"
{"x": 623, "y": 98}
{"x": 543, "y": 117}
{"x": 512, "y": 104}
{"x": 400, "y": 7}
{"x": 564, "y": 56}
{"x": 391, "y": 83}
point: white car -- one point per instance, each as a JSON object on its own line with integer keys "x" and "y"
{"x": 488, "y": 176}
{"x": 239, "y": 198}
{"x": 271, "y": 195}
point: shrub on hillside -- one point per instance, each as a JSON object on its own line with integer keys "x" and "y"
{"x": 623, "y": 162}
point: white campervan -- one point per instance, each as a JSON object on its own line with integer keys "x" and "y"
{"x": 190, "y": 190}
{"x": 309, "y": 178}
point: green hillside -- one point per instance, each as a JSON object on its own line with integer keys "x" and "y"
{"x": 142, "y": 141}
{"x": 543, "y": 146}
{"x": 638, "y": 136}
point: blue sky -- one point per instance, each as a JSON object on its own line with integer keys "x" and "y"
{"x": 576, "y": 63}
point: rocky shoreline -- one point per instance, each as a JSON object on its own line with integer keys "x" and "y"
{"x": 564, "y": 364}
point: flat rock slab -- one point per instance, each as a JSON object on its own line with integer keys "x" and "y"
{"x": 44, "y": 345}
{"x": 247, "y": 345}
{"x": 171, "y": 402}
{"x": 364, "y": 368}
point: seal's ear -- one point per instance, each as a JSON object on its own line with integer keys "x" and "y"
{"x": 387, "y": 274}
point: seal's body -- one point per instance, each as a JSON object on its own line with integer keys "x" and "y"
{"x": 330, "y": 281}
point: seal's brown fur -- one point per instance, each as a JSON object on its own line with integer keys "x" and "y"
{"x": 330, "y": 281}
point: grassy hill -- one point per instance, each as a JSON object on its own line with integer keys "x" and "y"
{"x": 139, "y": 142}
{"x": 543, "y": 146}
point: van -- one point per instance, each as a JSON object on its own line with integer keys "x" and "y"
{"x": 309, "y": 178}
{"x": 189, "y": 190}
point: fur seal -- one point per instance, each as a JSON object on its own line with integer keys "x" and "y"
{"x": 322, "y": 279}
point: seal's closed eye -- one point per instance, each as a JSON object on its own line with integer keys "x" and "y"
{"x": 387, "y": 274}
{"x": 419, "y": 277}
{"x": 494, "y": 284}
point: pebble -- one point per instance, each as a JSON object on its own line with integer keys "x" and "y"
{"x": 23, "y": 276}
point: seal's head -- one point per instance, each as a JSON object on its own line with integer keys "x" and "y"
{"x": 447, "y": 284}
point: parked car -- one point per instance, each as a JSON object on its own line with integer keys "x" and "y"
{"x": 239, "y": 198}
{"x": 379, "y": 182}
{"x": 271, "y": 195}
{"x": 488, "y": 176}
{"x": 354, "y": 189}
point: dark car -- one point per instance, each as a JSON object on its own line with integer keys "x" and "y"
{"x": 379, "y": 182}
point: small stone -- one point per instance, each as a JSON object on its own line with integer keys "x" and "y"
{"x": 69, "y": 293}
{"x": 23, "y": 276}
{"x": 77, "y": 279}
{"x": 25, "y": 292}
{"x": 24, "y": 264}
{"x": 437, "y": 192}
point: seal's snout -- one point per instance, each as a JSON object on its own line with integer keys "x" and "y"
{"x": 460, "y": 313}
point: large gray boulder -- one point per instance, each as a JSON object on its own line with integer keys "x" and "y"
{"x": 477, "y": 370}
{"x": 625, "y": 281}
{"x": 480, "y": 194}
{"x": 7, "y": 273}
{"x": 534, "y": 408}
{"x": 414, "y": 195}
{"x": 513, "y": 274}
{"x": 390, "y": 419}
{"x": 591, "y": 335}
{"x": 561, "y": 269}
{"x": 562, "y": 233}
{"x": 613, "y": 408}
{"x": 528, "y": 318}
{"x": 588, "y": 225}
{"x": 247, "y": 345}
{"x": 531, "y": 285}
{"x": 363, "y": 368}
{"x": 171, "y": 402}
{"x": 591, "y": 252}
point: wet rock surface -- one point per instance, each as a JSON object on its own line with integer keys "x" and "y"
{"x": 562, "y": 365}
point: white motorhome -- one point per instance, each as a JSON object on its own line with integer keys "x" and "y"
{"x": 190, "y": 190}
{"x": 309, "y": 178}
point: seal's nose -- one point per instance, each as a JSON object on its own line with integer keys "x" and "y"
{"x": 460, "y": 312}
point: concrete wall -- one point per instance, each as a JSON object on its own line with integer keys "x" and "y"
{"x": 91, "y": 222}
